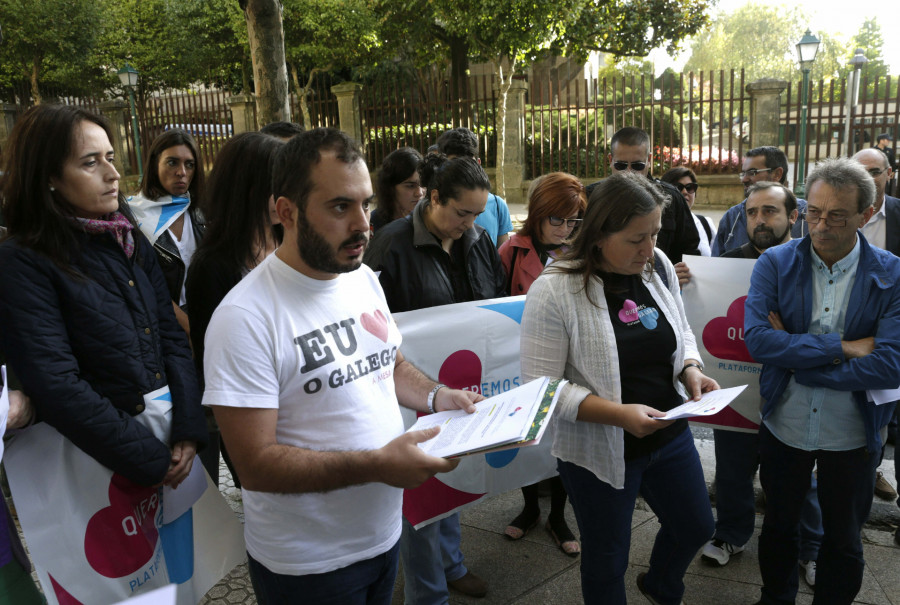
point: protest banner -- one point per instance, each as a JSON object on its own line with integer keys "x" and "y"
{"x": 714, "y": 305}
{"x": 96, "y": 537}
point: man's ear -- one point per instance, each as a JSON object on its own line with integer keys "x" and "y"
{"x": 286, "y": 211}
{"x": 794, "y": 216}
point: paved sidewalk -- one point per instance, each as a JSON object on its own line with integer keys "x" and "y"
{"x": 533, "y": 571}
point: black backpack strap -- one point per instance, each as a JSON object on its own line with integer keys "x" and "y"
{"x": 512, "y": 266}
{"x": 705, "y": 222}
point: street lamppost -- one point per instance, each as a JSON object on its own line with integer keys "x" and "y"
{"x": 859, "y": 59}
{"x": 128, "y": 76}
{"x": 807, "y": 48}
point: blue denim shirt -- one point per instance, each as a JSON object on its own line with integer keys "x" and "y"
{"x": 818, "y": 418}
{"x": 782, "y": 282}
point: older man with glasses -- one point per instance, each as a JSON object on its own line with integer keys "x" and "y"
{"x": 760, "y": 164}
{"x": 823, "y": 317}
{"x": 630, "y": 151}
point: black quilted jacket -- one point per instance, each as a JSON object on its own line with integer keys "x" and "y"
{"x": 87, "y": 348}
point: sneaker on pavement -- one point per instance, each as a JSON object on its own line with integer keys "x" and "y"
{"x": 809, "y": 572}
{"x": 470, "y": 585}
{"x": 719, "y": 552}
{"x": 883, "y": 489}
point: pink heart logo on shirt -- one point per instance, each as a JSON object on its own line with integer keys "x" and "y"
{"x": 629, "y": 312}
{"x": 376, "y": 325}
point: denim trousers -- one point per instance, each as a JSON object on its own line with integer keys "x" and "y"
{"x": 846, "y": 484}
{"x": 737, "y": 458}
{"x": 671, "y": 481}
{"x": 368, "y": 582}
{"x": 431, "y": 558}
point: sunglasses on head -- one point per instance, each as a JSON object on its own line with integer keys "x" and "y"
{"x": 687, "y": 187}
{"x": 636, "y": 166}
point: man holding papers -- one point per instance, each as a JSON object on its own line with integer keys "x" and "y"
{"x": 304, "y": 374}
{"x": 823, "y": 317}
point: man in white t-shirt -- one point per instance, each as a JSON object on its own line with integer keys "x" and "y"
{"x": 304, "y": 372}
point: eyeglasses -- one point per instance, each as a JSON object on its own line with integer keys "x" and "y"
{"x": 814, "y": 217}
{"x": 636, "y": 166}
{"x": 571, "y": 223}
{"x": 875, "y": 172}
{"x": 687, "y": 187}
{"x": 754, "y": 171}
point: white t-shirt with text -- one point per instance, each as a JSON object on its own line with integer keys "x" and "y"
{"x": 322, "y": 353}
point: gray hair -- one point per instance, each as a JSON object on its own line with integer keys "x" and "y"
{"x": 843, "y": 174}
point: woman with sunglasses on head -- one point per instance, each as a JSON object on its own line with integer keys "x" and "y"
{"x": 556, "y": 203}
{"x": 604, "y": 318}
{"x": 684, "y": 179}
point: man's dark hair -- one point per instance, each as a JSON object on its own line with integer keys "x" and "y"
{"x": 294, "y": 162}
{"x": 282, "y": 130}
{"x": 630, "y": 136}
{"x": 883, "y": 136}
{"x": 775, "y": 158}
{"x": 459, "y": 142}
{"x": 790, "y": 200}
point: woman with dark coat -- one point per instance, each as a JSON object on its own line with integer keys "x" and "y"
{"x": 86, "y": 320}
{"x": 398, "y": 186}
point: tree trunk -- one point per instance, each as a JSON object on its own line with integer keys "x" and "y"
{"x": 303, "y": 93}
{"x": 266, "y": 33}
{"x": 459, "y": 79}
{"x": 35, "y": 73}
{"x": 504, "y": 83}
{"x": 246, "y": 77}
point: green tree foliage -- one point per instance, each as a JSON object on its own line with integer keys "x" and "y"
{"x": 327, "y": 35}
{"x": 48, "y": 42}
{"x": 761, "y": 39}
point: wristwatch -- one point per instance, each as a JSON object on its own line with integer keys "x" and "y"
{"x": 431, "y": 395}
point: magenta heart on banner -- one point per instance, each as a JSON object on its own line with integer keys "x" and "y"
{"x": 121, "y": 538}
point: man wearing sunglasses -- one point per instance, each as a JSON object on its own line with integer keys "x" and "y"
{"x": 760, "y": 164}
{"x": 631, "y": 152}
{"x": 823, "y": 317}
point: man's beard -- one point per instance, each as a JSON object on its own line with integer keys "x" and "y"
{"x": 765, "y": 237}
{"x": 318, "y": 253}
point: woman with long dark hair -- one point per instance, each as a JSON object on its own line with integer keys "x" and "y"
{"x": 86, "y": 321}
{"x": 242, "y": 230}
{"x": 604, "y": 318}
{"x": 398, "y": 187}
{"x": 166, "y": 209}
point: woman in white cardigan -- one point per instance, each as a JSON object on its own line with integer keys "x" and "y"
{"x": 605, "y": 319}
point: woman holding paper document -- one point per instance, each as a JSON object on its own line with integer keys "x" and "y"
{"x": 556, "y": 204}
{"x": 604, "y": 318}
{"x": 86, "y": 320}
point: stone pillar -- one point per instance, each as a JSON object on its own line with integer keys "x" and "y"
{"x": 243, "y": 113}
{"x": 349, "y": 113}
{"x": 8, "y": 114}
{"x": 117, "y": 112}
{"x": 765, "y": 111}
{"x": 514, "y": 161}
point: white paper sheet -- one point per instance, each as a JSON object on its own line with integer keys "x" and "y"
{"x": 709, "y": 404}
{"x": 882, "y": 396}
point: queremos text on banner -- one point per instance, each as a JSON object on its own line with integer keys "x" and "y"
{"x": 472, "y": 346}
{"x": 714, "y": 304}
{"x": 95, "y": 537}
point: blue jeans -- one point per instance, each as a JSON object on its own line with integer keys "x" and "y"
{"x": 431, "y": 558}
{"x": 737, "y": 458}
{"x": 671, "y": 481}
{"x": 368, "y": 582}
{"x": 846, "y": 481}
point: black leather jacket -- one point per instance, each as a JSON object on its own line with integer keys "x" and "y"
{"x": 413, "y": 264}
{"x": 170, "y": 261}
